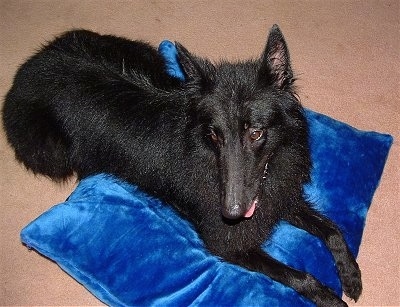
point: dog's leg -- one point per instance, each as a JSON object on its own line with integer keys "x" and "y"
{"x": 318, "y": 225}
{"x": 305, "y": 284}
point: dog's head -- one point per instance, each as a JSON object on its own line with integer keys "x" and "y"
{"x": 251, "y": 123}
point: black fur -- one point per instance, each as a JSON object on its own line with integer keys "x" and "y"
{"x": 233, "y": 136}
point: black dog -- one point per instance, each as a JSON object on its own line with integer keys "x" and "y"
{"x": 228, "y": 148}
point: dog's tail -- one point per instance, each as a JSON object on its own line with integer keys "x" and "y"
{"x": 34, "y": 137}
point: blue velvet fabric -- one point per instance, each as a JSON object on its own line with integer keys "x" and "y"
{"x": 129, "y": 248}
{"x": 168, "y": 51}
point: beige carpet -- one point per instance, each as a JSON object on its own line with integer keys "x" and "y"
{"x": 346, "y": 54}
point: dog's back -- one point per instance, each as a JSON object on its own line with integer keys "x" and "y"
{"x": 52, "y": 88}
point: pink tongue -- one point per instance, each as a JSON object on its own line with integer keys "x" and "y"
{"x": 250, "y": 212}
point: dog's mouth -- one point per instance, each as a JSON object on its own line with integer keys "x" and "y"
{"x": 253, "y": 206}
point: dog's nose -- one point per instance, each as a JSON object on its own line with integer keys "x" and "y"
{"x": 231, "y": 214}
{"x": 235, "y": 212}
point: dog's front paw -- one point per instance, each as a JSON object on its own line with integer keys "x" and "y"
{"x": 329, "y": 299}
{"x": 351, "y": 282}
{"x": 332, "y": 302}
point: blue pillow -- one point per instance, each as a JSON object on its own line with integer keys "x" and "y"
{"x": 129, "y": 248}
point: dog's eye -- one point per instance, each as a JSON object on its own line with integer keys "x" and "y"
{"x": 255, "y": 134}
{"x": 213, "y": 136}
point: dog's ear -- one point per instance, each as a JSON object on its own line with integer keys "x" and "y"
{"x": 197, "y": 70}
{"x": 275, "y": 62}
